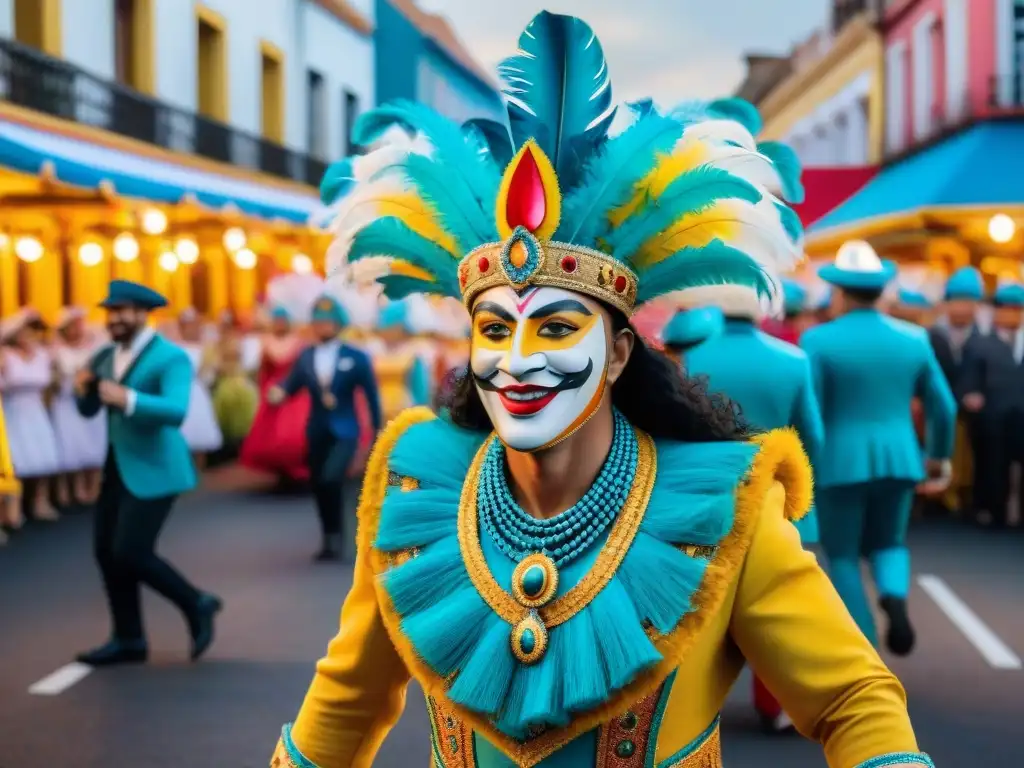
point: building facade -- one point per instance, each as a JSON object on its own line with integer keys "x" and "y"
{"x": 420, "y": 58}
{"x": 830, "y": 108}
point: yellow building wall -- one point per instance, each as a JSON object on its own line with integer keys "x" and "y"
{"x": 856, "y": 50}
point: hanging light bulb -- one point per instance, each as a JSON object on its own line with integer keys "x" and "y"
{"x": 302, "y": 264}
{"x": 168, "y": 261}
{"x": 154, "y": 221}
{"x": 90, "y": 254}
{"x": 245, "y": 259}
{"x": 186, "y": 250}
{"x": 28, "y": 249}
{"x": 1001, "y": 228}
{"x": 126, "y": 247}
{"x": 234, "y": 239}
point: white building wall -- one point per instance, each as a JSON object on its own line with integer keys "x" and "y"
{"x": 6, "y": 18}
{"x": 836, "y": 133}
{"x": 437, "y": 89}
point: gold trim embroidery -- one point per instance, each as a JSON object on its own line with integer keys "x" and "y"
{"x": 280, "y": 757}
{"x": 721, "y": 571}
{"x": 452, "y": 739}
{"x": 622, "y": 742}
{"x": 707, "y": 755}
{"x": 563, "y": 608}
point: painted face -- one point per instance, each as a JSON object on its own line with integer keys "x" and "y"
{"x": 539, "y": 361}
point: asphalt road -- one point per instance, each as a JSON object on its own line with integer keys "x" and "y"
{"x": 226, "y": 711}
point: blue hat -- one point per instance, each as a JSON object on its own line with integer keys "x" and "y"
{"x": 280, "y": 313}
{"x": 857, "y": 267}
{"x": 1009, "y": 295}
{"x": 794, "y": 296}
{"x": 124, "y": 293}
{"x": 394, "y": 314}
{"x": 916, "y": 299}
{"x": 691, "y": 327}
{"x": 329, "y": 309}
{"x": 966, "y": 284}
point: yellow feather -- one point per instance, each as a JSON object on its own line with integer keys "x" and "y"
{"x": 654, "y": 184}
{"x": 416, "y": 214}
{"x": 402, "y": 267}
{"x": 695, "y": 231}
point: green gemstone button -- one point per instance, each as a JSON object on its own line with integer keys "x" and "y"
{"x": 628, "y": 721}
{"x": 453, "y": 743}
{"x": 527, "y": 641}
{"x": 625, "y": 749}
{"x": 533, "y": 581}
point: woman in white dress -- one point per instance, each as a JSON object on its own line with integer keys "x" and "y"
{"x": 81, "y": 441}
{"x": 200, "y": 428}
{"x": 26, "y": 374}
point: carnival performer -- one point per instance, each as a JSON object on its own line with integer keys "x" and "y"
{"x": 687, "y": 329}
{"x": 331, "y": 373}
{"x": 569, "y": 565}
{"x": 144, "y": 381}
{"x": 82, "y": 441}
{"x": 200, "y": 428}
{"x": 867, "y": 469}
{"x": 402, "y": 369}
{"x": 992, "y": 382}
{"x": 276, "y": 444}
{"x": 965, "y": 291}
{"x": 26, "y": 378}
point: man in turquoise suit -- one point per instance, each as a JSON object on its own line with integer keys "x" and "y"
{"x": 770, "y": 379}
{"x": 143, "y": 380}
{"x": 867, "y": 369}
{"x": 331, "y": 372}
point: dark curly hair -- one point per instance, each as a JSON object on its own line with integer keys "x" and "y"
{"x": 652, "y": 392}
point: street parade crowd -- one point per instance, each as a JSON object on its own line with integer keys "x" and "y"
{"x": 562, "y": 523}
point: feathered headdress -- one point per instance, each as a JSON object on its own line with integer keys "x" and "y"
{"x": 295, "y": 295}
{"x": 676, "y": 201}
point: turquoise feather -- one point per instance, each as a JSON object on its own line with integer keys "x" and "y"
{"x": 691, "y": 193}
{"x": 495, "y": 139}
{"x": 641, "y": 107}
{"x": 414, "y": 519}
{"x": 787, "y": 165}
{"x": 389, "y": 236}
{"x": 338, "y": 179}
{"x": 740, "y": 110}
{"x": 611, "y": 177}
{"x": 790, "y": 222}
{"x": 599, "y": 650}
{"x": 559, "y": 92}
{"x": 713, "y": 264}
{"x": 402, "y": 286}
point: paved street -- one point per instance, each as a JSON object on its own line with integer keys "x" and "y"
{"x": 225, "y": 712}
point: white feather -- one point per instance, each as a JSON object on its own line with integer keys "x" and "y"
{"x": 719, "y": 132}
{"x": 733, "y": 300}
{"x": 295, "y": 293}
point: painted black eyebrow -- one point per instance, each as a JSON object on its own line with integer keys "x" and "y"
{"x": 565, "y": 305}
{"x": 495, "y": 309}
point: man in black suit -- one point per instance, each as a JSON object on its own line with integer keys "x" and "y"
{"x": 992, "y": 387}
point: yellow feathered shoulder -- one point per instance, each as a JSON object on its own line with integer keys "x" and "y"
{"x": 781, "y": 458}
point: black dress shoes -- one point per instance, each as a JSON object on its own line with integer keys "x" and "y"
{"x": 900, "y": 637}
{"x": 200, "y": 623}
{"x": 116, "y": 652}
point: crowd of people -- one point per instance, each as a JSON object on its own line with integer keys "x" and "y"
{"x": 58, "y": 454}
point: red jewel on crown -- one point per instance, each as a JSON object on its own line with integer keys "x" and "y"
{"x": 463, "y": 275}
{"x": 620, "y": 284}
{"x": 483, "y": 264}
{"x": 569, "y": 264}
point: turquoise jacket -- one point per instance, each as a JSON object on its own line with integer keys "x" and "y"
{"x": 150, "y": 453}
{"x": 780, "y": 393}
{"x": 867, "y": 370}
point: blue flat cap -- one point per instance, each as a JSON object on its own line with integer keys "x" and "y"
{"x": 966, "y": 284}
{"x": 691, "y": 327}
{"x": 125, "y": 293}
{"x": 329, "y": 309}
{"x": 911, "y": 298}
{"x": 1009, "y": 295}
{"x": 794, "y": 296}
{"x": 857, "y": 267}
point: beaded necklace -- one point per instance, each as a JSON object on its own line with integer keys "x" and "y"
{"x": 566, "y": 536}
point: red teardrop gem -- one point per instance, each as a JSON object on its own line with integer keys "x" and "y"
{"x": 483, "y": 264}
{"x": 525, "y": 205}
{"x": 620, "y": 284}
{"x": 569, "y": 264}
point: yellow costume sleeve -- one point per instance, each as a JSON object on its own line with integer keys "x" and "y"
{"x": 358, "y": 692}
{"x": 796, "y": 633}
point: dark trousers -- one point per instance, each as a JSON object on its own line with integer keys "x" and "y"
{"x": 329, "y": 458}
{"x": 125, "y": 533}
{"x": 998, "y": 443}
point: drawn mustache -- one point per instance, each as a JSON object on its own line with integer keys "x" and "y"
{"x": 569, "y": 380}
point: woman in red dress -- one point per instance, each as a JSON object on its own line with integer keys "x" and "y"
{"x": 276, "y": 444}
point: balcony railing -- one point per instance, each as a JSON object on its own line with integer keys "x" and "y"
{"x": 42, "y": 83}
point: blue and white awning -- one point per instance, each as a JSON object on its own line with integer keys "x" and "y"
{"x": 83, "y": 164}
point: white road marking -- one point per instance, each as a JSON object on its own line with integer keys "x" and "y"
{"x": 57, "y": 682}
{"x": 995, "y": 651}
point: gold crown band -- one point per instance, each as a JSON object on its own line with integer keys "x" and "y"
{"x": 523, "y": 261}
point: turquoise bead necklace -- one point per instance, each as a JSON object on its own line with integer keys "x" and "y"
{"x": 568, "y": 535}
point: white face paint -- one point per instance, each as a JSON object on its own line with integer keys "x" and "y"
{"x": 539, "y": 361}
